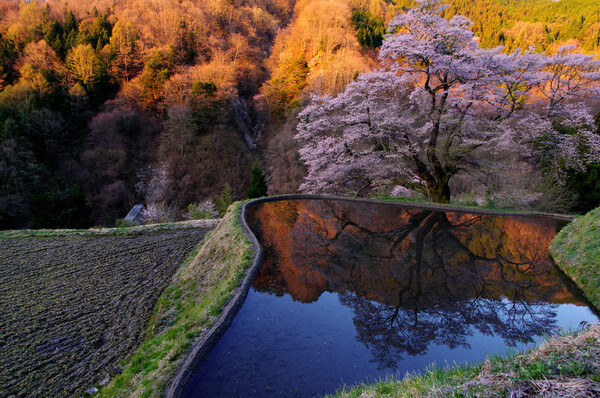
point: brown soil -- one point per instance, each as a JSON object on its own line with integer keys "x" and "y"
{"x": 72, "y": 307}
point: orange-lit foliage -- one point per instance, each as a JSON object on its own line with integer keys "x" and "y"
{"x": 66, "y": 59}
{"x": 318, "y": 53}
{"x": 157, "y": 58}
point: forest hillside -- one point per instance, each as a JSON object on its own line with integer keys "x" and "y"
{"x": 106, "y": 104}
{"x": 110, "y": 103}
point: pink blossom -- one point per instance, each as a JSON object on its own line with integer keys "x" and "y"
{"x": 440, "y": 105}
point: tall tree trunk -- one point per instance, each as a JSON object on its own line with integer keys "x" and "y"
{"x": 439, "y": 192}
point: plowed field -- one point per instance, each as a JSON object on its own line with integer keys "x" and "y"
{"x": 72, "y": 307}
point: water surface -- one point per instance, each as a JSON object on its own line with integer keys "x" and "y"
{"x": 355, "y": 291}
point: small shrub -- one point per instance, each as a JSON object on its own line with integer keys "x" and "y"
{"x": 201, "y": 211}
{"x": 224, "y": 200}
{"x": 123, "y": 223}
{"x": 535, "y": 370}
{"x": 586, "y": 187}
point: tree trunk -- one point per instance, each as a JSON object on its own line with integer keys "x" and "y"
{"x": 439, "y": 192}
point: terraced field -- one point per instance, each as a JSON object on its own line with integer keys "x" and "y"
{"x": 72, "y": 307}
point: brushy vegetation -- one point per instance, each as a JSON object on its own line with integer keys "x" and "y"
{"x": 72, "y": 306}
{"x": 576, "y": 250}
{"x": 189, "y": 306}
{"x": 568, "y": 365}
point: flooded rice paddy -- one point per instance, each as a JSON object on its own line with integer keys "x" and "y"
{"x": 355, "y": 291}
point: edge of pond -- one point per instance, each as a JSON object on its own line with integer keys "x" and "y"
{"x": 425, "y": 206}
{"x": 208, "y": 339}
{"x": 574, "y": 252}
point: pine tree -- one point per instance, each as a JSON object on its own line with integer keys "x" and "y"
{"x": 258, "y": 185}
{"x": 224, "y": 200}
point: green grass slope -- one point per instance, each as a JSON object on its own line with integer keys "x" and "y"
{"x": 189, "y": 306}
{"x": 576, "y": 250}
{"x": 565, "y": 366}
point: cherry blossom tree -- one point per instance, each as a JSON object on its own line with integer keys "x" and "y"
{"x": 568, "y": 81}
{"x": 440, "y": 105}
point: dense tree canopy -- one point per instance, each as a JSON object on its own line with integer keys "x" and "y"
{"x": 547, "y": 24}
{"x": 206, "y": 80}
{"x": 442, "y": 105}
{"x": 76, "y": 78}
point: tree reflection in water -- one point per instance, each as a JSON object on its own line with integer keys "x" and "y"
{"x": 413, "y": 277}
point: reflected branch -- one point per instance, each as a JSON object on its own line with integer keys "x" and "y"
{"x": 416, "y": 278}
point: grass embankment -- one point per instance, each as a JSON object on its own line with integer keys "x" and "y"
{"x": 467, "y": 205}
{"x": 576, "y": 250}
{"x": 188, "y": 307}
{"x": 563, "y": 366}
{"x": 123, "y": 231}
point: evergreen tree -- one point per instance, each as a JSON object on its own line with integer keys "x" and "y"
{"x": 156, "y": 72}
{"x": 224, "y": 200}
{"x": 70, "y": 32}
{"x": 58, "y": 208}
{"x": 258, "y": 185}
{"x": 369, "y": 28}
